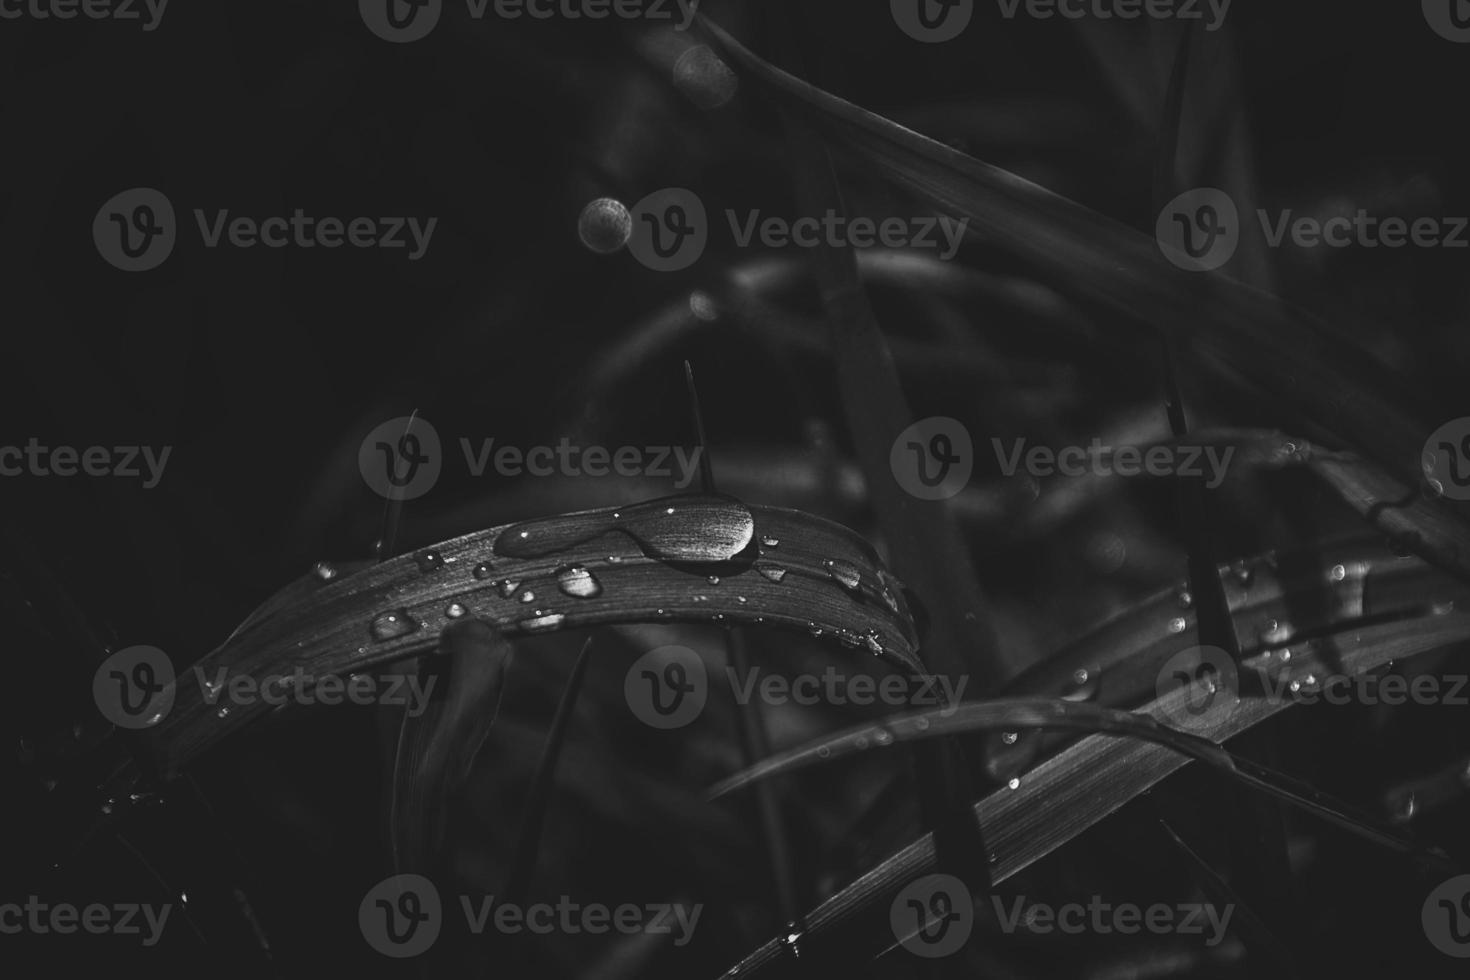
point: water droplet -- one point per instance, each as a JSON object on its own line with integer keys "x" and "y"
{"x": 771, "y": 542}
{"x": 873, "y": 643}
{"x": 704, "y": 78}
{"x": 1010, "y": 738}
{"x": 223, "y": 712}
{"x": 541, "y": 623}
{"x": 614, "y": 559}
{"x": 922, "y": 724}
{"x": 605, "y": 225}
{"x": 325, "y": 571}
{"x": 1406, "y": 808}
{"x": 1244, "y": 574}
{"x": 483, "y": 571}
{"x": 703, "y": 306}
{"x": 429, "y": 561}
{"x": 507, "y": 587}
{"x": 528, "y": 597}
{"x": 1080, "y": 675}
{"x": 773, "y": 572}
{"x": 1177, "y": 625}
{"x": 846, "y": 573}
{"x": 701, "y": 528}
{"x": 455, "y": 610}
{"x": 860, "y": 743}
{"x": 823, "y": 752}
{"x": 883, "y": 737}
{"x": 391, "y": 625}
{"x": 1015, "y": 783}
{"x": 714, "y": 580}
{"x": 1185, "y": 599}
{"x": 1338, "y": 573}
{"x": 577, "y": 581}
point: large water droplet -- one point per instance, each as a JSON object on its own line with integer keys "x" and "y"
{"x": 391, "y": 625}
{"x": 543, "y": 623}
{"x": 691, "y": 528}
{"x": 845, "y": 572}
{"x": 577, "y": 581}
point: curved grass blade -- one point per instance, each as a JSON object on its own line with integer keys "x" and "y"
{"x": 694, "y": 558}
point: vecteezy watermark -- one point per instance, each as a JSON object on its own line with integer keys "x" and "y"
{"x": 1102, "y": 917}
{"x": 1212, "y": 12}
{"x": 933, "y": 916}
{"x": 1101, "y": 460}
{"x": 1200, "y": 230}
{"x": 1210, "y": 682}
{"x": 407, "y": 691}
{"x": 838, "y": 231}
{"x": 670, "y": 229}
{"x": 667, "y": 687}
{"x": 64, "y": 919}
{"x": 134, "y": 687}
{"x": 403, "y": 458}
{"x": 148, "y": 13}
{"x": 137, "y": 230}
{"x": 403, "y": 915}
{"x": 840, "y": 689}
{"x": 568, "y": 459}
{"x": 1446, "y": 459}
{"x": 35, "y": 459}
{"x": 1450, "y": 19}
{"x": 933, "y": 459}
{"x": 402, "y": 21}
{"x": 1446, "y": 917}
{"x": 932, "y": 21}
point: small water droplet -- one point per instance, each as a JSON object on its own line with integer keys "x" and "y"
{"x": 1406, "y": 809}
{"x": 922, "y": 724}
{"x": 507, "y": 587}
{"x": 823, "y": 752}
{"x": 391, "y": 625}
{"x": 714, "y": 580}
{"x": 1185, "y": 599}
{"x": 483, "y": 571}
{"x": 873, "y": 643}
{"x": 861, "y": 742}
{"x": 1244, "y": 574}
{"x": 773, "y": 572}
{"x": 455, "y": 610}
{"x": 1010, "y": 738}
{"x": 528, "y": 597}
{"x": 771, "y": 542}
{"x": 1015, "y": 782}
{"x": 883, "y": 737}
{"x": 1177, "y": 625}
{"x": 614, "y": 559}
{"x": 1338, "y": 573}
{"x": 605, "y": 225}
{"x": 542, "y": 622}
{"x": 325, "y": 571}
{"x": 223, "y": 712}
{"x": 578, "y": 582}
{"x": 429, "y": 561}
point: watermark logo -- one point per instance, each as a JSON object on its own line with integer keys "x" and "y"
{"x": 401, "y": 916}
{"x": 37, "y": 460}
{"x": 838, "y": 231}
{"x": 63, "y": 919}
{"x": 1209, "y": 681}
{"x": 933, "y": 916}
{"x": 1446, "y": 917}
{"x": 401, "y": 459}
{"x": 1212, "y": 12}
{"x": 932, "y": 21}
{"x": 933, "y": 459}
{"x": 401, "y": 21}
{"x": 134, "y": 688}
{"x": 840, "y": 689}
{"x": 147, "y": 12}
{"x": 1450, "y": 19}
{"x": 670, "y": 230}
{"x": 667, "y": 687}
{"x": 568, "y": 459}
{"x": 1203, "y": 462}
{"x": 1446, "y": 460}
{"x": 407, "y": 691}
{"x": 1104, "y": 918}
{"x": 1199, "y": 230}
{"x": 135, "y": 230}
